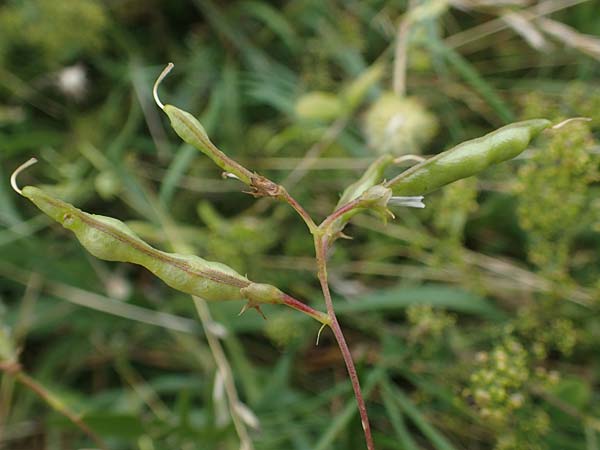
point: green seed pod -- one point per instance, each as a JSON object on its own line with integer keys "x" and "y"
{"x": 468, "y": 158}
{"x": 191, "y": 131}
{"x": 111, "y": 240}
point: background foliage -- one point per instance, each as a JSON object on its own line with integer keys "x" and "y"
{"x": 475, "y": 322}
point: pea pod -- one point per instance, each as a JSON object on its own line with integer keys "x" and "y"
{"x": 467, "y": 159}
{"x": 191, "y": 131}
{"x": 110, "y": 239}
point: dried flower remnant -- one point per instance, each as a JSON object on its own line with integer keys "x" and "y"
{"x": 415, "y": 201}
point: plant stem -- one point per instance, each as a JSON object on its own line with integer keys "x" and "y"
{"x": 285, "y": 196}
{"x": 345, "y": 208}
{"x": 330, "y": 319}
{"x": 224, "y": 370}
{"x": 304, "y": 308}
{"x": 400, "y": 58}
{"x": 14, "y": 369}
{"x": 321, "y": 255}
{"x": 400, "y": 55}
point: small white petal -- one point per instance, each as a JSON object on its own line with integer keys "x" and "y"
{"x": 230, "y": 175}
{"x": 411, "y": 202}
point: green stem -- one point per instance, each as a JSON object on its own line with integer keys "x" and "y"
{"x": 14, "y": 369}
{"x": 224, "y": 370}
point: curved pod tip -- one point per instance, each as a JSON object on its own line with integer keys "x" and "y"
{"x": 161, "y": 77}
{"x": 572, "y": 119}
{"x": 13, "y": 178}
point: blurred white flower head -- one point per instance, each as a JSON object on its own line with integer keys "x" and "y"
{"x": 72, "y": 81}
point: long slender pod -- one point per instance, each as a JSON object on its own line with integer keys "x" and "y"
{"x": 111, "y": 240}
{"x": 468, "y": 158}
{"x": 191, "y": 131}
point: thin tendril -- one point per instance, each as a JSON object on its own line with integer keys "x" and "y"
{"x": 319, "y": 333}
{"x": 161, "y": 77}
{"x": 572, "y": 119}
{"x": 18, "y": 170}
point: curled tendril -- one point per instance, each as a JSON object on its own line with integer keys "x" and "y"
{"x": 18, "y": 170}
{"x": 320, "y": 331}
{"x": 161, "y": 77}
{"x": 572, "y": 119}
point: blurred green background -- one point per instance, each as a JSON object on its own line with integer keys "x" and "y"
{"x": 474, "y": 323}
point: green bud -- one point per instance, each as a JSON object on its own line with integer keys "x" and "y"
{"x": 376, "y": 199}
{"x": 318, "y": 105}
{"x": 372, "y": 176}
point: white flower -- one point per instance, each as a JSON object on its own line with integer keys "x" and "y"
{"x": 72, "y": 81}
{"x": 415, "y": 201}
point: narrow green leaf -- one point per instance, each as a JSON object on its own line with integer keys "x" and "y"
{"x": 430, "y": 432}
{"x": 339, "y": 423}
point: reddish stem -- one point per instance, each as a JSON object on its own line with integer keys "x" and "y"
{"x": 321, "y": 254}
{"x": 329, "y": 318}
{"x": 303, "y": 307}
{"x": 347, "y": 207}
{"x": 285, "y": 196}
